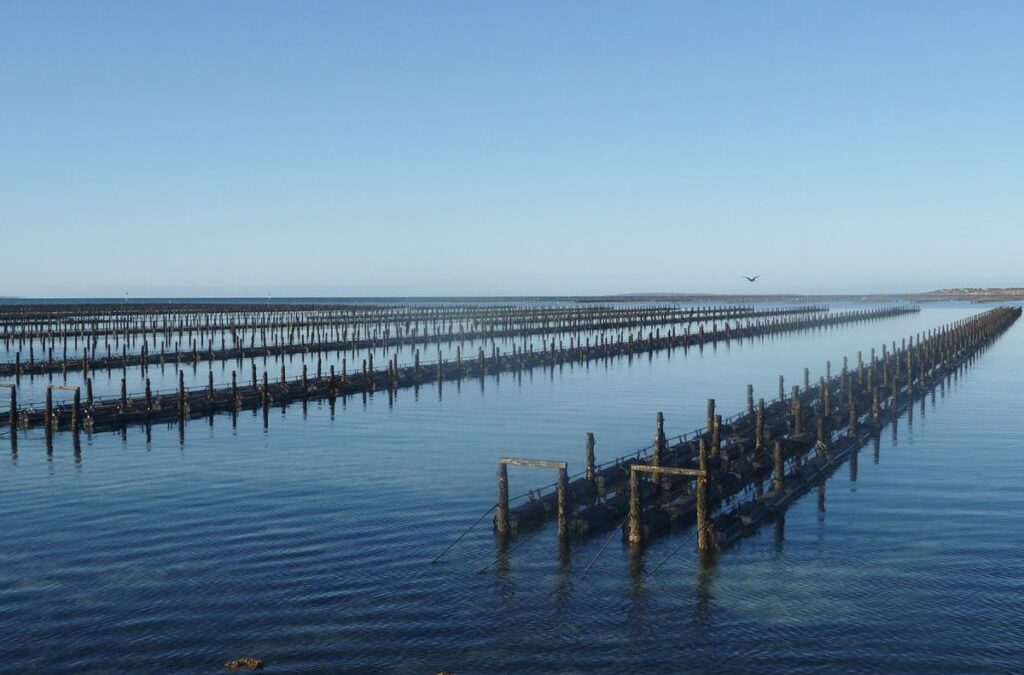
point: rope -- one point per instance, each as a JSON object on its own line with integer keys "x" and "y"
{"x": 458, "y": 538}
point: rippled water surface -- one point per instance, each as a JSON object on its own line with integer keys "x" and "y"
{"x": 308, "y": 543}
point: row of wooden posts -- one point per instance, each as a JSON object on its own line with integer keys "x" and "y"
{"x": 115, "y": 414}
{"x": 409, "y": 318}
{"x": 935, "y": 355}
{"x": 341, "y": 342}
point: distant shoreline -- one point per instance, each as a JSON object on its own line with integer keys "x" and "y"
{"x": 942, "y": 295}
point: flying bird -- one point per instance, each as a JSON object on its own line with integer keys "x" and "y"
{"x": 752, "y": 279}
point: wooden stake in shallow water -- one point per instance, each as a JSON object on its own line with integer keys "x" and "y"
{"x": 589, "y": 474}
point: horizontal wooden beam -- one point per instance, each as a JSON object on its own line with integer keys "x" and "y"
{"x": 674, "y": 471}
{"x": 63, "y": 387}
{"x": 542, "y": 463}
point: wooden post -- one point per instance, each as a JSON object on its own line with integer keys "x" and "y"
{"x": 779, "y": 469}
{"x": 14, "y": 411}
{"x": 124, "y": 395}
{"x": 501, "y": 523}
{"x": 703, "y": 543}
{"x": 76, "y": 410}
{"x": 659, "y": 447}
{"x": 750, "y": 400}
{"x": 88, "y": 391}
{"x": 797, "y": 421}
{"x": 710, "y": 423}
{"x": 636, "y": 534}
{"x": 563, "y": 504}
{"x": 589, "y": 472}
{"x": 49, "y": 410}
{"x": 853, "y": 418}
{"x": 181, "y": 394}
{"x": 716, "y": 435}
{"x": 759, "y": 428}
{"x": 149, "y": 396}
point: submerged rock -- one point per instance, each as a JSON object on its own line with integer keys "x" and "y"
{"x": 245, "y": 663}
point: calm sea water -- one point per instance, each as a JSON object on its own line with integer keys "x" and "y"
{"x": 308, "y": 544}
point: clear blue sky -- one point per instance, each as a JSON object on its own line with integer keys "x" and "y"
{"x": 504, "y": 148}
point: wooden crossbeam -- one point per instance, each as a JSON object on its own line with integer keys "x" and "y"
{"x": 542, "y": 463}
{"x": 670, "y": 470}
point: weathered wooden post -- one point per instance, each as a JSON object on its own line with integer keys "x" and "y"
{"x": 750, "y": 400}
{"x": 636, "y": 534}
{"x": 76, "y": 411}
{"x": 124, "y": 395}
{"x": 501, "y": 523}
{"x": 703, "y": 531}
{"x": 759, "y": 428}
{"x": 49, "y": 411}
{"x": 149, "y": 396}
{"x": 562, "y": 496}
{"x": 779, "y": 467}
{"x": 716, "y": 436}
{"x": 589, "y": 471}
{"x": 710, "y": 422}
{"x": 853, "y": 418}
{"x": 88, "y": 391}
{"x": 797, "y": 417}
{"x": 13, "y": 420}
{"x": 181, "y": 394}
{"x": 659, "y": 447}
{"x": 782, "y": 388}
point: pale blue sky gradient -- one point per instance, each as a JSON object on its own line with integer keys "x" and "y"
{"x": 209, "y": 148}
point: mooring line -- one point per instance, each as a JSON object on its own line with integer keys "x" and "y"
{"x": 458, "y": 538}
{"x": 603, "y": 547}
